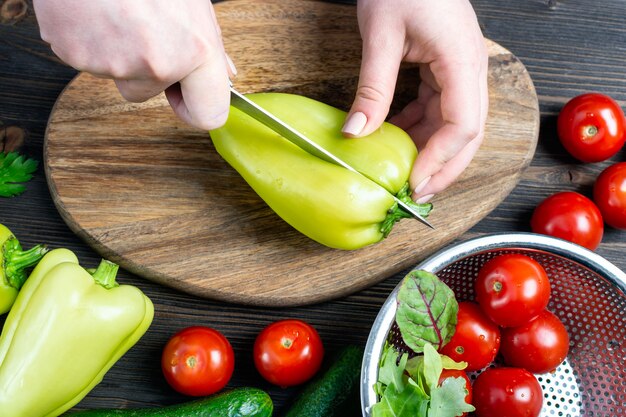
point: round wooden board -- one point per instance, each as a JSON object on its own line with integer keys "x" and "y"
{"x": 150, "y": 193}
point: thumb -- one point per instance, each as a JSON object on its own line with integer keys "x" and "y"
{"x": 202, "y": 98}
{"x": 377, "y": 81}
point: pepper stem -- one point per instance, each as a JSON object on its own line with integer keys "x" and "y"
{"x": 397, "y": 213}
{"x": 15, "y": 261}
{"x": 105, "y": 274}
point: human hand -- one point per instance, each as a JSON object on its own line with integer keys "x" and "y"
{"x": 447, "y": 119}
{"x": 146, "y": 46}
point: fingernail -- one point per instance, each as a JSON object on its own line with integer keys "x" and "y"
{"x": 421, "y": 185}
{"x": 355, "y": 124}
{"x": 424, "y": 199}
{"x": 231, "y": 65}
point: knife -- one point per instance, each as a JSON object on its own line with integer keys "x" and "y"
{"x": 255, "y": 111}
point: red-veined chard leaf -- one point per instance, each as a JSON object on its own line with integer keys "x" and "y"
{"x": 427, "y": 311}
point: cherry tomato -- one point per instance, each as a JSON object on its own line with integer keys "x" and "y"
{"x": 507, "y": 392}
{"x": 591, "y": 127}
{"x": 609, "y": 193}
{"x": 512, "y": 289}
{"x": 569, "y": 216}
{"x": 288, "y": 352}
{"x": 538, "y": 346}
{"x": 476, "y": 339}
{"x": 198, "y": 361}
{"x": 458, "y": 373}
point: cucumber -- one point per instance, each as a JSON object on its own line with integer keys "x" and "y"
{"x": 335, "y": 392}
{"x": 239, "y": 402}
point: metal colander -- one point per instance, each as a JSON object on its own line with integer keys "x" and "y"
{"x": 588, "y": 295}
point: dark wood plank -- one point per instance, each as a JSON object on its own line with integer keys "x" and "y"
{"x": 573, "y": 48}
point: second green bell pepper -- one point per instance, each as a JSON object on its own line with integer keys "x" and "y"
{"x": 330, "y": 204}
{"x": 13, "y": 265}
{"x": 64, "y": 332}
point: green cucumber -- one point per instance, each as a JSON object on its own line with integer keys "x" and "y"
{"x": 239, "y": 402}
{"x": 335, "y": 392}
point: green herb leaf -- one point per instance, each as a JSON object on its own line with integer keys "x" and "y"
{"x": 432, "y": 367}
{"x": 426, "y": 367}
{"x": 391, "y": 370}
{"x": 410, "y": 402}
{"x": 448, "y": 400}
{"x": 449, "y": 363}
{"x": 415, "y": 369}
{"x": 15, "y": 169}
{"x": 426, "y": 311}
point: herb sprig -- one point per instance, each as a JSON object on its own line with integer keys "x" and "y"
{"x": 15, "y": 169}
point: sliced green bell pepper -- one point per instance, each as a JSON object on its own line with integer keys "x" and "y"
{"x": 64, "y": 332}
{"x": 330, "y": 204}
{"x": 13, "y": 265}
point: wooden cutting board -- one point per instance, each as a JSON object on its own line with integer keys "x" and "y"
{"x": 150, "y": 193}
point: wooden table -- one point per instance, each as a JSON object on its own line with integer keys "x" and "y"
{"x": 568, "y": 49}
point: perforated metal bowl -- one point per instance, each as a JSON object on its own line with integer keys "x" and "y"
{"x": 588, "y": 295}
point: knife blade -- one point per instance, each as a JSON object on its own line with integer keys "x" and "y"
{"x": 255, "y": 111}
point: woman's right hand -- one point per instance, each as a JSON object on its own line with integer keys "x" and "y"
{"x": 146, "y": 46}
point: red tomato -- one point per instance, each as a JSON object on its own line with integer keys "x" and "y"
{"x": 507, "y": 392}
{"x": 458, "y": 373}
{"x": 476, "y": 339}
{"x": 609, "y": 193}
{"x": 538, "y": 346}
{"x": 288, "y": 352}
{"x": 591, "y": 127}
{"x": 198, "y": 361}
{"x": 569, "y": 216}
{"x": 512, "y": 289}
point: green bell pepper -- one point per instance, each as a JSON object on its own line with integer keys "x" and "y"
{"x": 13, "y": 265}
{"x": 64, "y": 332}
{"x": 330, "y": 204}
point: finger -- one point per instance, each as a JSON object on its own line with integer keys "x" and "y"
{"x": 377, "y": 80}
{"x": 461, "y": 111}
{"x": 455, "y": 166}
{"x": 413, "y": 113}
{"x": 430, "y": 123}
{"x": 428, "y": 78}
{"x": 448, "y": 173}
{"x": 451, "y": 161}
{"x": 139, "y": 90}
{"x": 202, "y": 98}
{"x": 174, "y": 97}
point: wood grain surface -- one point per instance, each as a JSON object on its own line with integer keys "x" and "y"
{"x": 568, "y": 49}
{"x": 150, "y": 193}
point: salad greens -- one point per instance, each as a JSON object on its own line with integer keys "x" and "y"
{"x": 426, "y": 316}
{"x": 409, "y": 387}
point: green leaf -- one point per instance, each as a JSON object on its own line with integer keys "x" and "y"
{"x": 409, "y": 402}
{"x": 432, "y": 367}
{"x": 448, "y": 400}
{"x": 415, "y": 369}
{"x": 391, "y": 370}
{"x": 15, "y": 169}
{"x": 449, "y": 363}
{"x": 426, "y": 311}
